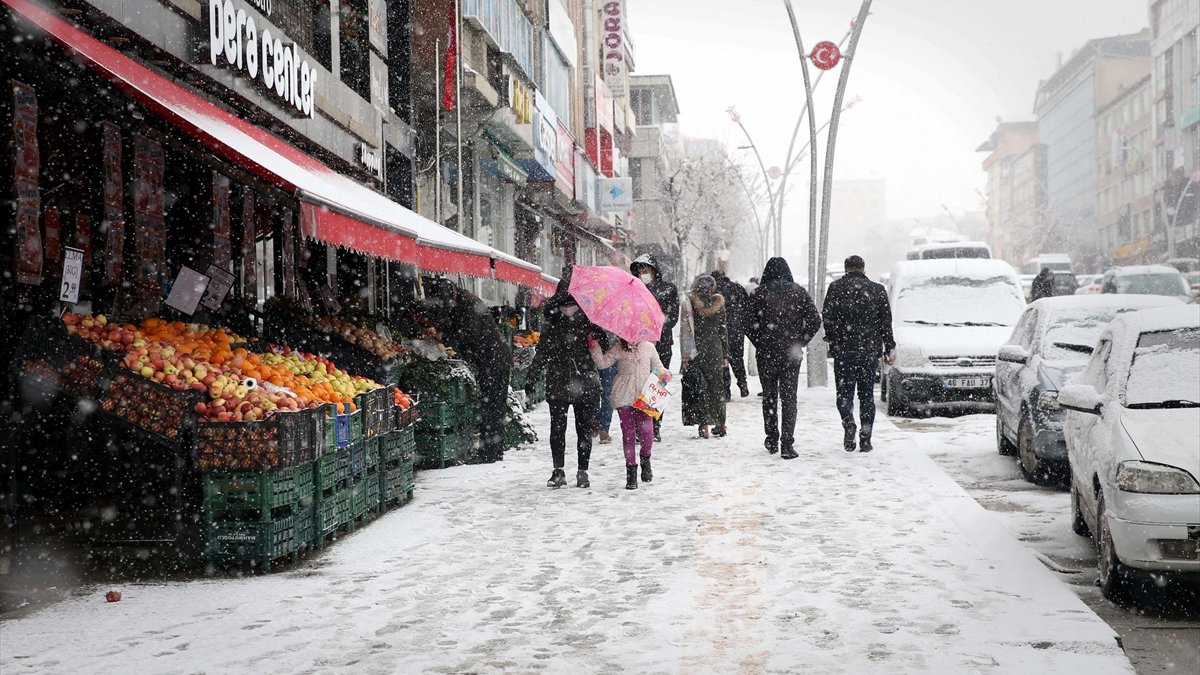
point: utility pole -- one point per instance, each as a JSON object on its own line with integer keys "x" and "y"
{"x": 458, "y": 70}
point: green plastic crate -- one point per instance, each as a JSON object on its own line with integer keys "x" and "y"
{"x": 326, "y": 516}
{"x": 345, "y": 507}
{"x": 258, "y": 490}
{"x": 325, "y": 472}
{"x": 439, "y": 450}
{"x": 255, "y": 541}
{"x": 398, "y": 445}
{"x": 436, "y": 415}
{"x": 305, "y": 525}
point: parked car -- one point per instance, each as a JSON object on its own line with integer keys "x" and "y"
{"x": 1051, "y": 343}
{"x": 1057, "y": 262}
{"x": 1089, "y": 284}
{"x": 1146, "y": 280}
{"x": 950, "y": 249}
{"x": 950, "y": 318}
{"x": 1063, "y": 284}
{"x": 1193, "y": 281}
{"x": 1133, "y": 441}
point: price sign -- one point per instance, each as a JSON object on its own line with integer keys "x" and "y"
{"x": 220, "y": 281}
{"x": 326, "y": 296}
{"x": 187, "y": 290}
{"x": 72, "y": 275}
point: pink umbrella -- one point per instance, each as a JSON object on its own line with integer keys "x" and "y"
{"x": 617, "y": 301}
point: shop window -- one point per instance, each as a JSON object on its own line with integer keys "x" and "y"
{"x": 354, "y": 47}
{"x": 322, "y": 34}
{"x": 399, "y": 38}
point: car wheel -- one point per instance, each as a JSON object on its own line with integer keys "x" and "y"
{"x": 1003, "y": 445}
{"x": 1114, "y": 578}
{"x": 895, "y": 401}
{"x": 1034, "y": 470}
{"x": 1078, "y": 524}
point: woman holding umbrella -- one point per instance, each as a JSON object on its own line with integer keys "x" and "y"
{"x": 712, "y": 354}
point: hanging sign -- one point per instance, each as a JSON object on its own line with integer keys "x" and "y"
{"x": 613, "y": 48}
{"x": 72, "y": 275}
{"x": 825, "y": 55}
{"x": 234, "y": 39}
{"x": 616, "y": 194}
{"x": 187, "y": 290}
{"x": 114, "y": 209}
{"x": 26, "y": 167}
{"x": 220, "y": 281}
{"x": 222, "y": 246}
{"x": 53, "y": 244}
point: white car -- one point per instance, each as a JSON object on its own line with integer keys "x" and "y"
{"x": 1133, "y": 442}
{"x": 950, "y": 318}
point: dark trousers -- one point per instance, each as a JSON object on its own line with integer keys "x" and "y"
{"x": 855, "y": 373}
{"x": 737, "y": 361}
{"x": 779, "y": 391}
{"x": 585, "y": 414}
{"x": 493, "y": 409}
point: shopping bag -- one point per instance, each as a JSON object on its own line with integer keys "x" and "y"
{"x": 653, "y": 398}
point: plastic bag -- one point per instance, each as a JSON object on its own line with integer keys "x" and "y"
{"x": 654, "y": 395}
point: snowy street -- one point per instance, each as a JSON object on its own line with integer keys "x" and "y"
{"x": 730, "y": 561}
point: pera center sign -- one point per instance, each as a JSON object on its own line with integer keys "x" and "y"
{"x": 234, "y": 38}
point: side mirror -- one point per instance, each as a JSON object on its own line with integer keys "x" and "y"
{"x": 1081, "y": 398}
{"x": 1013, "y": 354}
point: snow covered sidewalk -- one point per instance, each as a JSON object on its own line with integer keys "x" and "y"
{"x": 730, "y": 561}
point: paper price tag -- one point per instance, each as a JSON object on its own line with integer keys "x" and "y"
{"x": 220, "y": 281}
{"x": 72, "y": 275}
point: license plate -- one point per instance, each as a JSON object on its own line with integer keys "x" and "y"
{"x": 967, "y": 382}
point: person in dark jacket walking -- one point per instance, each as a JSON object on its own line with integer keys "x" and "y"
{"x": 1043, "y": 285}
{"x": 781, "y": 319}
{"x": 646, "y": 268}
{"x": 736, "y": 298}
{"x": 858, "y": 328}
{"x": 712, "y": 353}
{"x": 467, "y": 325}
{"x": 571, "y": 380}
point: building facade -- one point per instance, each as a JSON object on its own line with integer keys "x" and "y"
{"x": 1124, "y": 178}
{"x": 653, "y": 156}
{"x": 1175, "y": 91}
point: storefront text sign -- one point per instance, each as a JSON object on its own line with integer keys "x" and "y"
{"x": 616, "y": 194}
{"x": 234, "y": 38}
{"x": 371, "y": 158}
{"x": 614, "y": 46}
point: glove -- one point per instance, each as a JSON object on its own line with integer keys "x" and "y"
{"x": 592, "y": 342}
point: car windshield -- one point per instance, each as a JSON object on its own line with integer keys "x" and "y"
{"x": 1152, "y": 284}
{"x": 1070, "y": 330}
{"x": 960, "y": 301}
{"x": 1165, "y": 369}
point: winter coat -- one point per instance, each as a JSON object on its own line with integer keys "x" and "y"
{"x": 857, "y": 317}
{"x": 736, "y": 298}
{"x": 1043, "y": 285}
{"x": 562, "y": 353}
{"x": 709, "y": 329}
{"x": 781, "y": 318}
{"x": 634, "y": 366}
{"x": 665, "y": 293}
{"x": 467, "y": 325}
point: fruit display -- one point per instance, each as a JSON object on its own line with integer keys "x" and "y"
{"x": 360, "y": 336}
{"x": 283, "y": 440}
{"x": 148, "y": 406}
{"x": 528, "y": 340}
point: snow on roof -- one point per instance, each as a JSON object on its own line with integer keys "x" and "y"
{"x": 1131, "y": 270}
{"x": 1103, "y": 301}
{"x": 977, "y": 268}
{"x": 1128, "y": 327}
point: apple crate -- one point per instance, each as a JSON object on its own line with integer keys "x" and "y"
{"x": 153, "y": 408}
{"x": 376, "y": 408}
{"x": 79, "y": 368}
{"x": 399, "y": 445}
{"x": 262, "y": 491}
{"x": 341, "y": 429}
{"x": 405, "y": 417}
{"x": 282, "y": 440}
{"x": 255, "y": 541}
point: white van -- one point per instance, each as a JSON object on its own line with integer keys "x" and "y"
{"x": 949, "y": 318}
{"x": 1057, "y": 262}
{"x": 956, "y": 249}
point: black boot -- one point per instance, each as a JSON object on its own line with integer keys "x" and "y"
{"x": 581, "y": 479}
{"x": 772, "y": 446}
{"x": 864, "y": 439}
{"x": 631, "y": 476}
{"x": 788, "y": 452}
{"x": 743, "y": 389}
{"x": 557, "y": 479}
{"x": 647, "y": 474}
{"x": 851, "y": 432}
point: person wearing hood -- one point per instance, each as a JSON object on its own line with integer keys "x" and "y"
{"x": 781, "y": 319}
{"x": 467, "y": 325}
{"x": 1043, "y": 285}
{"x": 645, "y": 267}
{"x": 712, "y": 353}
{"x": 735, "y": 306}
{"x": 858, "y": 328}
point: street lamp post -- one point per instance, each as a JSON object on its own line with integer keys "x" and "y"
{"x": 1174, "y": 214}
{"x": 737, "y": 119}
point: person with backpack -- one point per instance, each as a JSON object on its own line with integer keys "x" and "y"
{"x": 781, "y": 319}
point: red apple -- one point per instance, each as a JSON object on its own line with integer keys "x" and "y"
{"x": 113, "y": 596}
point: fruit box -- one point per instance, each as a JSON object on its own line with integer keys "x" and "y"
{"x": 259, "y": 490}
{"x": 161, "y": 411}
{"x": 341, "y": 429}
{"x": 375, "y": 407}
{"x": 282, "y": 440}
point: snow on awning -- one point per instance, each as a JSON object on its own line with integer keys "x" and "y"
{"x": 334, "y": 209}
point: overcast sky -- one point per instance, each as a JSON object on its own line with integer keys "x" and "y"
{"x": 933, "y": 75}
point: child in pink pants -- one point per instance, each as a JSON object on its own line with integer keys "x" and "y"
{"x": 635, "y": 362}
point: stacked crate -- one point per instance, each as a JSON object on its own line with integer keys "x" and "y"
{"x": 396, "y": 467}
{"x": 444, "y": 432}
{"x": 258, "y": 516}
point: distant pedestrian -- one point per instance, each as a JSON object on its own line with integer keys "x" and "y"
{"x": 635, "y": 362}
{"x": 1043, "y": 285}
{"x": 571, "y": 381}
{"x": 712, "y": 354}
{"x": 781, "y": 319}
{"x": 736, "y": 298}
{"x": 858, "y": 328}
{"x": 646, "y": 268}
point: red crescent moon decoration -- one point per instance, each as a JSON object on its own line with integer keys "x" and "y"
{"x": 826, "y": 55}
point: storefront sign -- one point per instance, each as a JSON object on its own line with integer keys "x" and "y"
{"x": 234, "y": 38}
{"x": 371, "y": 158}
{"x": 220, "y": 281}
{"x": 377, "y": 25}
{"x": 616, "y": 194}
{"x": 585, "y": 185}
{"x": 564, "y": 161}
{"x": 613, "y": 47}
{"x": 379, "y": 84}
{"x": 26, "y": 167}
{"x": 604, "y": 106}
{"x": 186, "y": 291}
{"x": 114, "y": 209}
{"x": 520, "y": 99}
{"x": 72, "y": 276}
{"x": 545, "y": 139}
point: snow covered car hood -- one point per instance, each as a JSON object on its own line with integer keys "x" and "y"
{"x": 1166, "y": 436}
{"x": 953, "y": 340}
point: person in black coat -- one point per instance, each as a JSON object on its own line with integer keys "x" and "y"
{"x": 736, "y": 298}
{"x": 467, "y": 325}
{"x": 645, "y": 267}
{"x": 781, "y": 319}
{"x": 1043, "y": 285}
{"x": 858, "y": 328}
{"x": 571, "y": 380}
